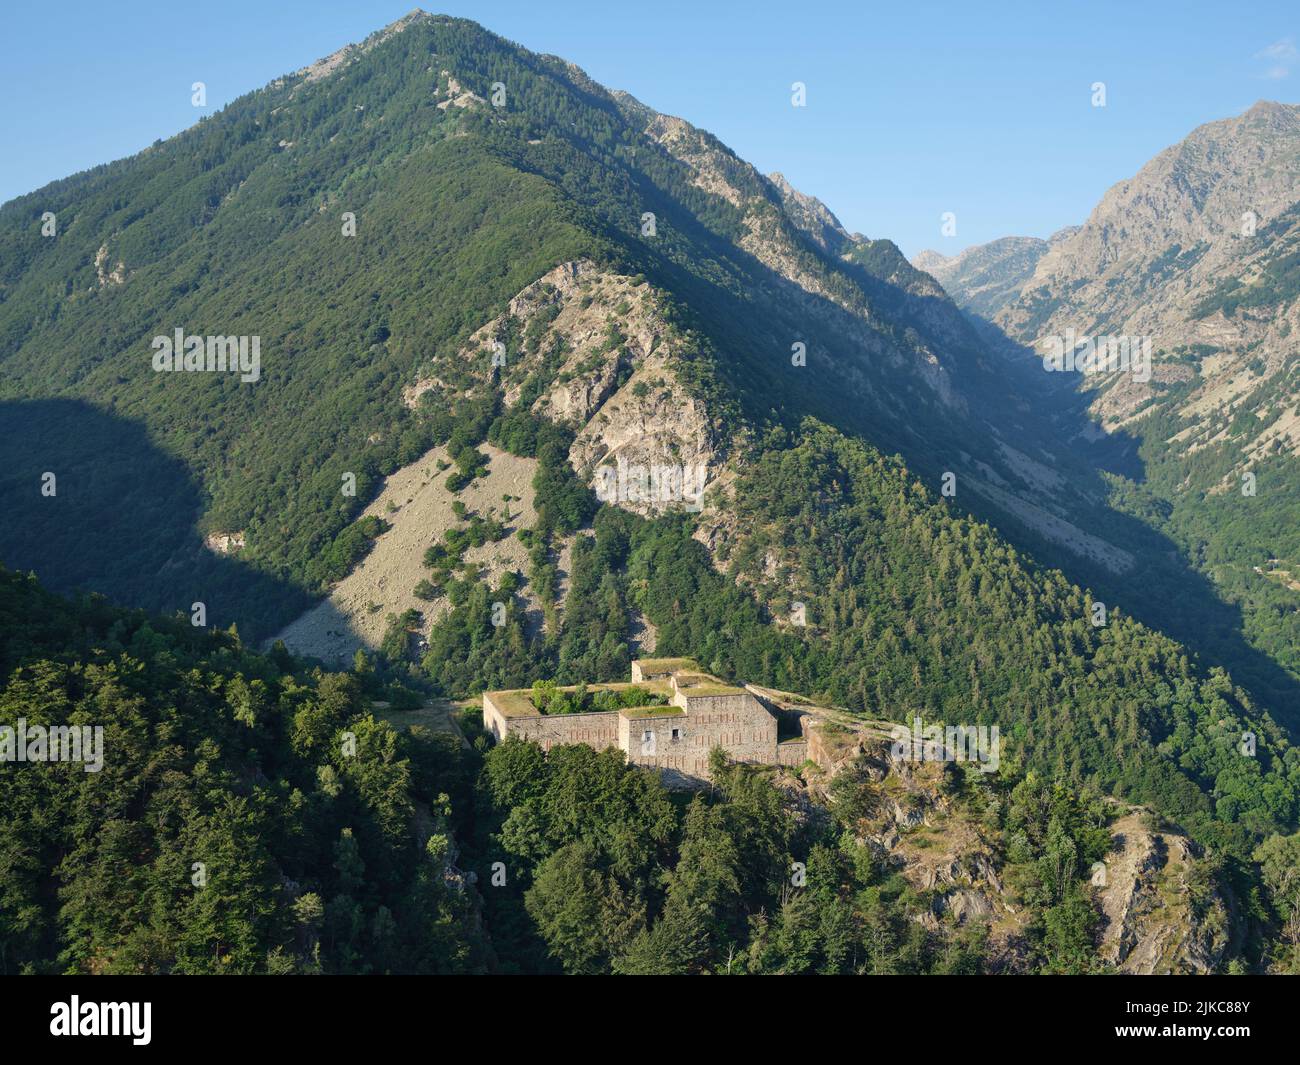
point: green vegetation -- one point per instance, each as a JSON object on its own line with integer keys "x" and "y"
{"x": 333, "y": 863}
{"x": 235, "y": 828}
{"x": 951, "y": 624}
{"x": 225, "y": 229}
{"x": 610, "y": 873}
{"x": 549, "y": 699}
{"x": 250, "y": 815}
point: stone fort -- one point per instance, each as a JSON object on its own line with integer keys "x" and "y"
{"x": 699, "y": 712}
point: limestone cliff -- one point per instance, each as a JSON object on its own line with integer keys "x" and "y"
{"x": 593, "y": 350}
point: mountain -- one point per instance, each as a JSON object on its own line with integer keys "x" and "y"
{"x": 984, "y": 278}
{"x": 1198, "y": 217}
{"x": 1199, "y": 253}
{"x": 235, "y": 228}
{"x": 546, "y": 375}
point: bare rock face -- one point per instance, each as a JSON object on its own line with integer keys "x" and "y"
{"x": 224, "y": 543}
{"x": 454, "y": 94}
{"x": 1196, "y": 253}
{"x": 937, "y": 846}
{"x": 965, "y": 904}
{"x": 1162, "y": 915}
{"x": 1193, "y": 195}
{"x": 106, "y": 277}
{"x": 608, "y": 359}
{"x": 649, "y": 424}
{"x": 811, "y": 215}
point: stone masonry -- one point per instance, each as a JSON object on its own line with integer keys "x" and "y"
{"x": 701, "y": 712}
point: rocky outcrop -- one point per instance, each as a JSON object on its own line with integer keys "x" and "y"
{"x": 336, "y": 61}
{"x": 608, "y": 361}
{"x": 916, "y": 827}
{"x": 811, "y": 215}
{"x": 453, "y": 94}
{"x": 224, "y": 543}
{"x": 105, "y": 276}
{"x": 1163, "y": 908}
{"x": 1164, "y": 912}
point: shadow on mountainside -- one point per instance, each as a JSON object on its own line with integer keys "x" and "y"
{"x": 120, "y": 520}
{"x": 1007, "y": 399}
{"x": 1163, "y": 589}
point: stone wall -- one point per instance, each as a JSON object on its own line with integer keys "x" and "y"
{"x": 650, "y": 742}
{"x": 494, "y": 721}
{"x": 596, "y": 730}
{"x": 676, "y": 743}
{"x": 547, "y": 731}
{"x": 739, "y": 724}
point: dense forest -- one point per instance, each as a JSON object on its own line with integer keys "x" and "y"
{"x": 252, "y": 815}
{"x": 911, "y": 608}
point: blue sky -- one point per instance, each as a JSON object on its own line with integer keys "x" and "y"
{"x": 914, "y": 109}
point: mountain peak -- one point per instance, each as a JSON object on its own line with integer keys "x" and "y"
{"x": 1269, "y": 106}
{"x": 1270, "y": 114}
{"x": 335, "y": 60}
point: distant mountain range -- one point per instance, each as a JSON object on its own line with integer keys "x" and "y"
{"x": 1200, "y": 253}
{"x": 985, "y": 277}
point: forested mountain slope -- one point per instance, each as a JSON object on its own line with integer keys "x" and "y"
{"x": 237, "y": 228}
{"x": 1198, "y": 253}
{"x": 251, "y": 815}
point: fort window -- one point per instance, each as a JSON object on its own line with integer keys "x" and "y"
{"x": 677, "y": 734}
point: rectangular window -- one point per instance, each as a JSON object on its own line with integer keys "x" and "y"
{"x": 677, "y": 734}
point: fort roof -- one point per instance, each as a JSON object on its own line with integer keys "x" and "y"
{"x": 518, "y": 702}
{"x": 515, "y": 703}
{"x": 652, "y": 711}
{"x": 668, "y": 665}
{"x": 700, "y": 685}
{"x": 709, "y": 689}
{"x": 694, "y": 678}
